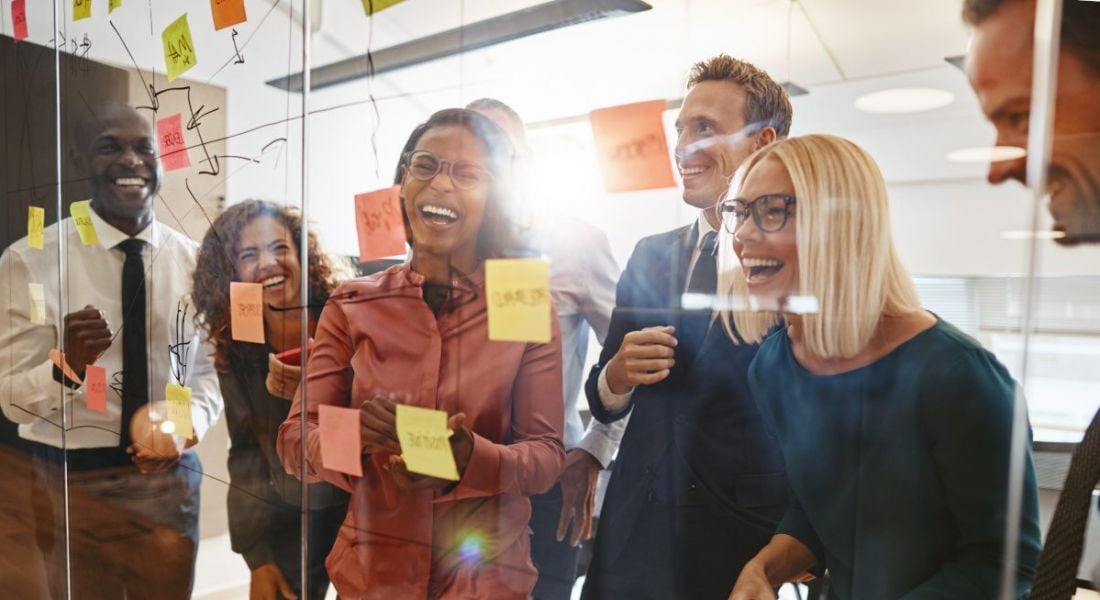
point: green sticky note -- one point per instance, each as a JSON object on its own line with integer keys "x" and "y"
{"x": 82, "y": 9}
{"x": 179, "y": 409}
{"x": 179, "y": 50}
{"x": 517, "y": 292}
{"x": 82, "y": 218}
{"x": 36, "y": 221}
{"x": 425, "y": 442}
{"x": 112, "y": 5}
{"x": 373, "y": 6}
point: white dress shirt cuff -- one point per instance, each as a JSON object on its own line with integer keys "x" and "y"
{"x": 602, "y": 440}
{"x": 611, "y": 401}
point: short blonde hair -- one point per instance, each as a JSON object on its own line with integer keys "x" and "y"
{"x": 846, "y": 255}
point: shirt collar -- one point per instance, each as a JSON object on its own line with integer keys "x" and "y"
{"x": 703, "y": 225}
{"x": 109, "y": 236}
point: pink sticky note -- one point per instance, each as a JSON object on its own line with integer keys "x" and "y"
{"x": 246, "y": 311}
{"x": 173, "y": 148}
{"x": 19, "y": 18}
{"x": 95, "y": 388}
{"x": 378, "y": 221}
{"x": 341, "y": 449}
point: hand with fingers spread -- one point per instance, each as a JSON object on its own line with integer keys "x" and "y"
{"x": 644, "y": 358}
{"x": 578, "y": 496}
{"x": 378, "y": 425}
{"x": 462, "y": 447}
{"x": 87, "y": 337}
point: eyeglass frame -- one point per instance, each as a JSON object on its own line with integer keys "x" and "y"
{"x": 750, "y": 207}
{"x": 442, "y": 162}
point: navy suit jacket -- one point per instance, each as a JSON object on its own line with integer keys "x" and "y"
{"x": 695, "y": 437}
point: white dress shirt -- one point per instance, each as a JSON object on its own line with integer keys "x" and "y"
{"x": 616, "y": 402}
{"x": 29, "y": 394}
{"x": 583, "y": 275}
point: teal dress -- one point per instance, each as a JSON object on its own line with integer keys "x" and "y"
{"x": 899, "y": 469}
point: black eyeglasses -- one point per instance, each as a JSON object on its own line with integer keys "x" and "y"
{"x": 464, "y": 174}
{"x": 769, "y": 212}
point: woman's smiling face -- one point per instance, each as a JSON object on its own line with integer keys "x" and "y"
{"x": 769, "y": 259}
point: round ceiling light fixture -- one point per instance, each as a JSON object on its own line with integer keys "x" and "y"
{"x": 904, "y": 100}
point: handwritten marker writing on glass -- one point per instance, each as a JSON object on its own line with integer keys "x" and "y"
{"x": 227, "y": 13}
{"x": 341, "y": 448}
{"x": 173, "y": 148}
{"x": 517, "y": 291}
{"x": 379, "y": 224}
{"x": 82, "y": 218}
{"x": 95, "y": 388}
{"x": 37, "y": 296}
{"x": 179, "y": 50}
{"x": 36, "y": 221}
{"x": 82, "y": 9}
{"x": 19, "y": 19}
{"x": 246, "y": 311}
{"x": 631, "y": 146}
{"x": 425, "y": 442}
{"x": 179, "y": 409}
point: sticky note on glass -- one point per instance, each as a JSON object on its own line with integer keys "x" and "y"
{"x": 37, "y": 296}
{"x": 246, "y": 311}
{"x": 518, "y": 295}
{"x": 179, "y": 409}
{"x": 112, "y": 5}
{"x": 227, "y": 12}
{"x": 373, "y": 6}
{"x": 19, "y": 19}
{"x": 179, "y": 50}
{"x": 82, "y": 9}
{"x": 82, "y": 218}
{"x": 425, "y": 442}
{"x": 631, "y": 147}
{"x": 341, "y": 449}
{"x": 173, "y": 149}
{"x": 379, "y": 224}
{"x": 36, "y": 223}
{"x": 95, "y": 388}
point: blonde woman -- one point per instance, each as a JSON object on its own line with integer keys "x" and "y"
{"x": 894, "y": 425}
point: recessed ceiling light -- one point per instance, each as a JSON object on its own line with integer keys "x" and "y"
{"x": 986, "y": 154}
{"x": 904, "y": 100}
{"x": 1027, "y": 234}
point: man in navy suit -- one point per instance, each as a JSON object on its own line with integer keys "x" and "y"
{"x": 698, "y": 486}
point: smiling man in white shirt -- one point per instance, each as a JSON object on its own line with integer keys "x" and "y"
{"x": 136, "y": 275}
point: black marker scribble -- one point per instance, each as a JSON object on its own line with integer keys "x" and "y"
{"x": 240, "y": 57}
{"x": 180, "y": 343}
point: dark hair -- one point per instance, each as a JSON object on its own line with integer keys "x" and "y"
{"x": 519, "y": 129}
{"x": 766, "y": 102}
{"x": 1080, "y": 25}
{"x": 499, "y": 236}
{"x": 216, "y": 266}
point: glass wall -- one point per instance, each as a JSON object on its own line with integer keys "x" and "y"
{"x": 320, "y": 297}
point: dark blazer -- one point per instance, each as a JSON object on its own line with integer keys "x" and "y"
{"x": 695, "y": 445}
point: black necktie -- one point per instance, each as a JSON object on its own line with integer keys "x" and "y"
{"x": 135, "y": 366}
{"x": 703, "y": 280}
{"x": 1057, "y": 575}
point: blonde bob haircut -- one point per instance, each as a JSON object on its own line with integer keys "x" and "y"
{"x": 848, "y": 267}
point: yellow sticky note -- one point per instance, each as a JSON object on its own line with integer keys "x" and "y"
{"x": 82, "y": 9}
{"x": 179, "y": 50}
{"x": 518, "y": 294}
{"x": 112, "y": 5}
{"x": 38, "y": 303}
{"x": 373, "y": 6}
{"x": 36, "y": 221}
{"x": 179, "y": 409}
{"x": 425, "y": 443}
{"x": 82, "y": 218}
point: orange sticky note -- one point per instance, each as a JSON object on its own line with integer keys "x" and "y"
{"x": 37, "y": 295}
{"x": 425, "y": 443}
{"x": 179, "y": 50}
{"x": 82, "y": 218}
{"x": 379, "y": 223}
{"x": 19, "y": 18}
{"x": 173, "y": 148}
{"x": 82, "y": 9}
{"x": 227, "y": 12}
{"x": 179, "y": 409}
{"x": 36, "y": 222}
{"x": 631, "y": 147}
{"x": 517, "y": 291}
{"x": 95, "y": 388}
{"x": 373, "y": 6}
{"x": 341, "y": 449}
{"x": 58, "y": 359}
{"x": 246, "y": 311}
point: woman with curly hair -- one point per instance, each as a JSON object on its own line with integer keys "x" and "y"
{"x": 257, "y": 242}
